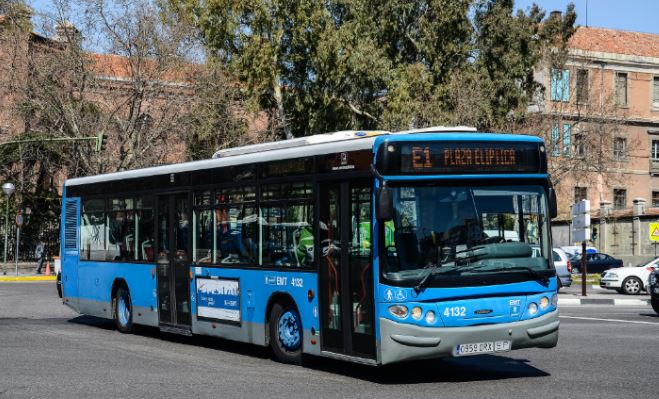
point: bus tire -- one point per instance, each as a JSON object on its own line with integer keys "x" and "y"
{"x": 123, "y": 310}
{"x": 59, "y": 284}
{"x": 655, "y": 304}
{"x": 285, "y": 332}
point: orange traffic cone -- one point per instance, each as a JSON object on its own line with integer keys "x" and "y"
{"x": 48, "y": 267}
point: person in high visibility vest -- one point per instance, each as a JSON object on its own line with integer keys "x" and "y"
{"x": 304, "y": 250}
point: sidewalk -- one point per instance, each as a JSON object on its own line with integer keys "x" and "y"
{"x": 595, "y": 295}
{"x": 25, "y": 272}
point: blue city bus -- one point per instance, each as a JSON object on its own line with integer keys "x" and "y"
{"x": 371, "y": 247}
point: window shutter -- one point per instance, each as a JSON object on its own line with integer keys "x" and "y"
{"x": 554, "y": 85}
{"x": 565, "y": 86}
{"x": 555, "y": 134}
{"x": 566, "y": 139}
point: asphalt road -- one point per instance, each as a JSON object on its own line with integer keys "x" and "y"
{"x": 46, "y": 350}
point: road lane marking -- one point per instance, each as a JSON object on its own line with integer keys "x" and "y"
{"x": 611, "y": 320}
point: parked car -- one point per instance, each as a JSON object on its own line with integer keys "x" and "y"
{"x": 597, "y": 262}
{"x": 563, "y": 267}
{"x": 653, "y": 288}
{"x": 628, "y": 280}
{"x": 576, "y": 249}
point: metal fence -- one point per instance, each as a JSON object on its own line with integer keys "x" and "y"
{"x": 30, "y": 236}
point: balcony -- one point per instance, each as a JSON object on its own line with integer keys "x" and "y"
{"x": 654, "y": 167}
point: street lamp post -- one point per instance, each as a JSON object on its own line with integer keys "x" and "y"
{"x": 8, "y": 189}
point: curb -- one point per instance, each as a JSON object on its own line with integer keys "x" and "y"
{"x": 617, "y": 302}
{"x": 7, "y": 279}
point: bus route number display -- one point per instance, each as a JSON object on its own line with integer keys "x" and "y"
{"x": 436, "y": 158}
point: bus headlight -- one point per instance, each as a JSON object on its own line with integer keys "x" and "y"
{"x": 533, "y": 308}
{"x": 544, "y": 302}
{"x": 430, "y": 317}
{"x": 416, "y": 313}
{"x": 653, "y": 279}
{"x": 399, "y": 311}
{"x": 554, "y": 300}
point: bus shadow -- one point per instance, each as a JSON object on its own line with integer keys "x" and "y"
{"x": 475, "y": 368}
{"x": 202, "y": 341}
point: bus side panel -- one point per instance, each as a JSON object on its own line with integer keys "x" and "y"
{"x": 255, "y": 289}
{"x": 98, "y": 278}
{"x": 70, "y": 251}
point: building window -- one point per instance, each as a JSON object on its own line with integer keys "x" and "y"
{"x": 621, "y": 89}
{"x": 566, "y": 139}
{"x": 560, "y": 85}
{"x": 655, "y": 92}
{"x": 582, "y": 86}
{"x": 579, "y": 145}
{"x": 655, "y": 150}
{"x": 580, "y": 193}
{"x": 619, "y": 148}
{"x": 555, "y": 136}
{"x": 655, "y": 199}
{"x": 619, "y": 198}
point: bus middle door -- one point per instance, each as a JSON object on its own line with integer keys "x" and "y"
{"x": 346, "y": 273}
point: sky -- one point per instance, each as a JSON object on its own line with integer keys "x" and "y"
{"x": 631, "y": 15}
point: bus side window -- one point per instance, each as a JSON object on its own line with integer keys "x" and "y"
{"x": 286, "y": 218}
{"x": 92, "y": 230}
{"x": 235, "y": 233}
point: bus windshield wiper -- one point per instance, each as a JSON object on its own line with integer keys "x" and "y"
{"x": 532, "y": 272}
{"x": 529, "y": 270}
{"x": 432, "y": 270}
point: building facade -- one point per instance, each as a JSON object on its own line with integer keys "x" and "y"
{"x": 603, "y": 109}
{"x": 603, "y": 137}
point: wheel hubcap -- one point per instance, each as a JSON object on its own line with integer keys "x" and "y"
{"x": 123, "y": 310}
{"x": 289, "y": 330}
{"x": 632, "y": 286}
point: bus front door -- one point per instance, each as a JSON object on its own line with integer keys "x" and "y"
{"x": 173, "y": 261}
{"x": 346, "y": 273}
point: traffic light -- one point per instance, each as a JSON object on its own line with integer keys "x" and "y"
{"x": 593, "y": 236}
{"x": 101, "y": 141}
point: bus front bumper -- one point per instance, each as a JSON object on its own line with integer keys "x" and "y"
{"x": 401, "y": 342}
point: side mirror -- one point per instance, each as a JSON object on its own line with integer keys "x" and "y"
{"x": 553, "y": 203}
{"x": 385, "y": 204}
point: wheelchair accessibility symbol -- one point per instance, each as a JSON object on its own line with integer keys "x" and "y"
{"x": 391, "y": 295}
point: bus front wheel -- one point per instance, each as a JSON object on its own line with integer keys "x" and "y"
{"x": 123, "y": 310}
{"x": 285, "y": 331}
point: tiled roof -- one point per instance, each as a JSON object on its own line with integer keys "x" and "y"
{"x": 615, "y": 41}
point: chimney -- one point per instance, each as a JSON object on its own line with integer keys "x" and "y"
{"x": 66, "y": 32}
{"x": 638, "y": 207}
{"x": 555, "y": 14}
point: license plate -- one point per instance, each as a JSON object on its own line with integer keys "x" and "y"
{"x": 481, "y": 347}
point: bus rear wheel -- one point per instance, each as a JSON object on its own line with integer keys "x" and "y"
{"x": 123, "y": 310}
{"x": 655, "y": 304}
{"x": 285, "y": 332}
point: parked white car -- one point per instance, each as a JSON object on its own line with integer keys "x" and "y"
{"x": 628, "y": 280}
{"x": 563, "y": 267}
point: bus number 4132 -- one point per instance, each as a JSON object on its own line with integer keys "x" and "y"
{"x": 455, "y": 311}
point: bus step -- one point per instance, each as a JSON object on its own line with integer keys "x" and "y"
{"x": 176, "y": 330}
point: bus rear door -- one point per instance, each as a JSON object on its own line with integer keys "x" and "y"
{"x": 174, "y": 262}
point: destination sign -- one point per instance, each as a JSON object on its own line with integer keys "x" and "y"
{"x": 464, "y": 157}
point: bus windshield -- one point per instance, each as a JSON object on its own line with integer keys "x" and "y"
{"x": 460, "y": 232}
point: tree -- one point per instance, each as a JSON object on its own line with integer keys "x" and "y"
{"x": 141, "y": 93}
{"x": 322, "y": 66}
